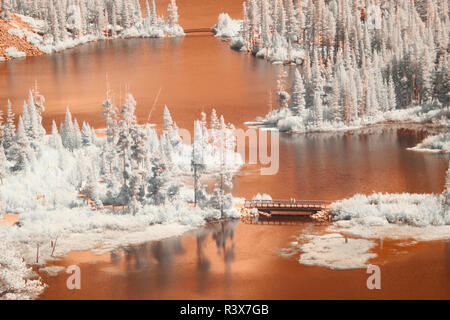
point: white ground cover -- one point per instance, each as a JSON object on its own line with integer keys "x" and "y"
{"x": 283, "y": 120}
{"x": 396, "y": 216}
{"x": 418, "y": 210}
{"x": 439, "y": 143}
{"x": 336, "y": 252}
{"x": 12, "y": 52}
{"x": 360, "y": 228}
{"x": 405, "y": 217}
{"x": 35, "y": 24}
{"x": 83, "y": 229}
{"x": 49, "y": 183}
{"x": 52, "y": 271}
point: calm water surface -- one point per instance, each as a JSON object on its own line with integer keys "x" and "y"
{"x": 233, "y": 259}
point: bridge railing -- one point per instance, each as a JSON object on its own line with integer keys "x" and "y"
{"x": 286, "y": 203}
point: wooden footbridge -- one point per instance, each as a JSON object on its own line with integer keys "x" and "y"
{"x": 288, "y": 207}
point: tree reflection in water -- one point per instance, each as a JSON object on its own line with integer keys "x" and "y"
{"x": 223, "y": 235}
{"x": 447, "y": 254}
{"x": 153, "y": 262}
{"x": 203, "y": 263}
{"x": 164, "y": 252}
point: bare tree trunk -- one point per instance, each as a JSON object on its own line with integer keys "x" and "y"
{"x": 54, "y": 246}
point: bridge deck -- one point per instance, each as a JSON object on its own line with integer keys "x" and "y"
{"x": 289, "y": 207}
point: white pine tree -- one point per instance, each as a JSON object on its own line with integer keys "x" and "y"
{"x": 335, "y": 100}
{"x": 34, "y": 128}
{"x": 137, "y": 190}
{"x": 167, "y": 120}
{"x": 352, "y": 99}
{"x": 22, "y": 152}
{"x": 282, "y": 30}
{"x": 446, "y": 193}
{"x": 26, "y": 119}
{"x": 1, "y": 128}
{"x": 139, "y": 147}
{"x": 298, "y": 94}
{"x": 124, "y": 142}
{"x": 153, "y": 14}
{"x": 293, "y": 26}
{"x": 214, "y": 123}
{"x": 198, "y": 162}
{"x": 55, "y": 139}
{"x": 74, "y": 19}
{"x": 220, "y": 200}
{"x": 90, "y": 189}
{"x": 9, "y": 131}
{"x": 77, "y": 138}
{"x": 148, "y": 18}
{"x": 317, "y": 109}
{"x": 113, "y": 19}
{"x": 62, "y": 18}
{"x": 157, "y": 180}
{"x": 3, "y": 169}
{"x": 215, "y": 133}
{"x": 137, "y": 15}
{"x": 5, "y": 10}
{"x": 172, "y": 13}
{"x": 392, "y": 98}
{"x": 100, "y": 18}
{"x": 86, "y": 135}
{"x": 283, "y": 96}
{"x": 84, "y": 15}
{"x": 317, "y": 79}
{"x": 68, "y": 132}
{"x": 246, "y": 27}
{"x": 53, "y": 23}
{"x": 110, "y": 113}
{"x": 427, "y": 69}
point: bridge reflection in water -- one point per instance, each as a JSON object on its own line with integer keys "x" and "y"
{"x": 278, "y": 220}
{"x": 199, "y": 30}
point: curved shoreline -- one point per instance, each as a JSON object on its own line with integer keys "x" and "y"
{"x": 418, "y": 125}
{"x": 427, "y": 150}
{"x": 19, "y": 25}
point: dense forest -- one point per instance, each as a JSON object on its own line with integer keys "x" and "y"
{"x": 358, "y": 58}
